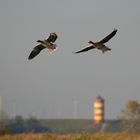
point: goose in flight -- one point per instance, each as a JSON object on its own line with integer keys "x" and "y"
{"x": 100, "y": 44}
{"x": 48, "y": 43}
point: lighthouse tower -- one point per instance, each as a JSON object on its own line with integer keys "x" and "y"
{"x": 98, "y": 109}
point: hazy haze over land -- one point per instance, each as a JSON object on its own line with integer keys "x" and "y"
{"x": 64, "y": 84}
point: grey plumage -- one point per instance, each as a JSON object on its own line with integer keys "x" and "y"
{"x": 48, "y": 43}
{"x": 100, "y": 44}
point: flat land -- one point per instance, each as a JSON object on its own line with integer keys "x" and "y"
{"x": 81, "y": 136}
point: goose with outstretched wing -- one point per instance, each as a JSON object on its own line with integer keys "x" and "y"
{"x": 100, "y": 44}
{"x": 47, "y": 43}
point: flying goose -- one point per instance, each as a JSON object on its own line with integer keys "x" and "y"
{"x": 48, "y": 43}
{"x": 100, "y": 44}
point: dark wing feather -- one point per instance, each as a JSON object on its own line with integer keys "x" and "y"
{"x": 86, "y": 49}
{"x": 52, "y": 37}
{"x": 108, "y": 37}
{"x": 36, "y": 50}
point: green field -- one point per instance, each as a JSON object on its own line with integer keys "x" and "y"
{"x": 81, "y": 136}
{"x": 80, "y": 125}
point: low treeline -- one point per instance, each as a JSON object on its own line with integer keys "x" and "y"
{"x": 20, "y": 125}
{"x": 63, "y": 126}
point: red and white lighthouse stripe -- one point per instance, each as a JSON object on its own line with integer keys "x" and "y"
{"x": 98, "y": 106}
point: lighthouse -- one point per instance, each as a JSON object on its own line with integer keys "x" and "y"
{"x": 98, "y": 110}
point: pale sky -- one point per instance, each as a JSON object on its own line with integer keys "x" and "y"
{"x": 64, "y": 85}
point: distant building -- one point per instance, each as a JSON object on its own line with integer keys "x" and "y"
{"x": 98, "y": 110}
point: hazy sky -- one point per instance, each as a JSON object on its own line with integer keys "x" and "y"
{"x": 64, "y": 85}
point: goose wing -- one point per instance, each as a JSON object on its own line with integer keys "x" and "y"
{"x": 52, "y": 37}
{"x": 108, "y": 37}
{"x": 86, "y": 49}
{"x": 36, "y": 50}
